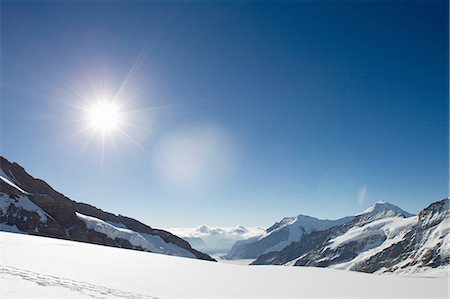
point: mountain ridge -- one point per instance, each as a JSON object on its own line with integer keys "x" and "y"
{"x": 64, "y": 222}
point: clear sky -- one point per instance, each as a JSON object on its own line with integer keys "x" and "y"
{"x": 231, "y": 112}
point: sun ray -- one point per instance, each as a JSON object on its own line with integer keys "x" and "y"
{"x": 134, "y": 68}
{"x": 136, "y": 143}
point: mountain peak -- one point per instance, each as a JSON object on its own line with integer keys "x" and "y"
{"x": 203, "y": 228}
{"x": 382, "y": 206}
{"x": 239, "y": 229}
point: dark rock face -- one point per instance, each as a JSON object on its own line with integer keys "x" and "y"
{"x": 62, "y": 221}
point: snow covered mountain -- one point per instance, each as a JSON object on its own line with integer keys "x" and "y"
{"x": 216, "y": 240}
{"x": 382, "y": 239}
{"x": 280, "y": 235}
{"x": 31, "y": 206}
{"x": 384, "y": 209}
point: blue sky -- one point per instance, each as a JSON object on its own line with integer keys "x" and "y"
{"x": 237, "y": 112}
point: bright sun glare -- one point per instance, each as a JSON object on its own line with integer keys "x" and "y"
{"x": 104, "y": 116}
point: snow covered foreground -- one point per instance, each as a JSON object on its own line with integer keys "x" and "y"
{"x": 39, "y": 267}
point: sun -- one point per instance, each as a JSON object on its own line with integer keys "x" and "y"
{"x": 104, "y": 116}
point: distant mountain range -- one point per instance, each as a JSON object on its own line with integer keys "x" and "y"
{"x": 31, "y": 206}
{"x": 216, "y": 240}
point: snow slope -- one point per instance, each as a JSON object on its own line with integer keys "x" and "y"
{"x": 419, "y": 244}
{"x": 391, "y": 230}
{"x": 148, "y": 242}
{"x": 42, "y": 267}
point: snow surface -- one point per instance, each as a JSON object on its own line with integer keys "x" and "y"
{"x": 33, "y": 267}
{"x": 220, "y": 259}
{"x": 146, "y": 241}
